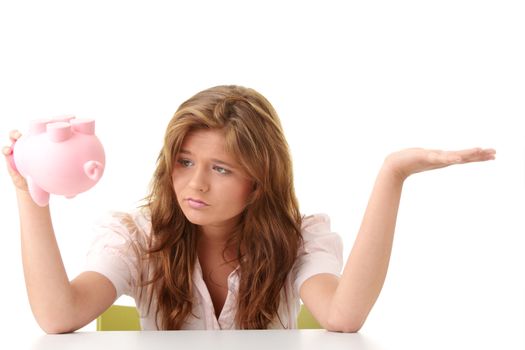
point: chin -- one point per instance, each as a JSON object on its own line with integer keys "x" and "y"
{"x": 205, "y": 219}
{"x": 198, "y": 222}
{"x": 197, "y": 219}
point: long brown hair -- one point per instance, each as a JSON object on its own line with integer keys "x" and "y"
{"x": 268, "y": 235}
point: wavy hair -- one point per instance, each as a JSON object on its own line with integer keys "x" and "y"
{"x": 268, "y": 235}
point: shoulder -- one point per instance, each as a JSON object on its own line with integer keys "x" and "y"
{"x": 139, "y": 217}
{"x": 321, "y": 251}
{"x": 315, "y": 222}
{"x": 117, "y": 249}
{"x": 123, "y": 228}
{"x": 316, "y": 231}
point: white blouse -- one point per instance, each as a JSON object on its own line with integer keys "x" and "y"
{"x": 112, "y": 254}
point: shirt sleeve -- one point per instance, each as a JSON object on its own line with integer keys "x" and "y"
{"x": 114, "y": 254}
{"x": 322, "y": 250}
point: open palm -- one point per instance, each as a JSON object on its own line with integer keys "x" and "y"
{"x": 414, "y": 160}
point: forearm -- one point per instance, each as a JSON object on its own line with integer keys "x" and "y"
{"x": 351, "y": 298}
{"x": 48, "y": 287}
{"x": 366, "y": 268}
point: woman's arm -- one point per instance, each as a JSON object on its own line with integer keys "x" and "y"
{"x": 344, "y": 304}
{"x": 58, "y": 305}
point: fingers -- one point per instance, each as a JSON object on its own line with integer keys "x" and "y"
{"x": 18, "y": 180}
{"x": 14, "y": 135}
{"x": 476, "y": 155}
{"x": 7, "y": 151}
{"x": 463, "y": 156}
{"x": 8, "y": 154}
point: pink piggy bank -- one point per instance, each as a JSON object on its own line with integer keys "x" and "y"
{"x": 60, "y": 156}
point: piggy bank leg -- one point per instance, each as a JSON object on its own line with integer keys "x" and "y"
{"x": 40, "y": 197}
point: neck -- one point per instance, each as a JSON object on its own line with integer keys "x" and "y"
{"x": 218, "y": 233}
{"x": 214, "y": 240}
{"x": 213, "y": 235}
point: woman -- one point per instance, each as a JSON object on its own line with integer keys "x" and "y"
{"x": 220, "y": 242}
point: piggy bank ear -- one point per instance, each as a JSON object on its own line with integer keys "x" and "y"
{"x": 93, "y": 169}
{"x": 84, "y": 126}
{"x": 63, "y": 118}
{"x": 59, "y": 131}
{"x": 38, "y": 126}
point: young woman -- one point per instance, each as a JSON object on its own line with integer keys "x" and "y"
{"x": 220, "y": 242}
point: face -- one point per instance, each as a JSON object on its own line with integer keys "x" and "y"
{"x": 210, "y": 186}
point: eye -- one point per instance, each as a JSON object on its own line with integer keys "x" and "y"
{"x": 221, "y": 170}
{"x": 185, "y": 162}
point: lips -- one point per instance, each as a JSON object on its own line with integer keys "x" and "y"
{"x": 196, "y": 203}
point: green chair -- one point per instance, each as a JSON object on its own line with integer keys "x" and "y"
{"x": 306, "y": 320}
{"x": 119, "y": 318}
{"x": 126, "y": 318}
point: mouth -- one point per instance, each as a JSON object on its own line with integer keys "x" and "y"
{"x": 196, "y": 203}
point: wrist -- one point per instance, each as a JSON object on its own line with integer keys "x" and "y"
{"x": 392, "y": 168}
{"x": 23, "y": 195}
{"x": 26, "y": 201}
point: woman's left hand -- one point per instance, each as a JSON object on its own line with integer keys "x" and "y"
{"x": 414, "y": 160}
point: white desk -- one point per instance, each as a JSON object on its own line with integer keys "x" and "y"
{"x": 213, "y": 340}
{"x": 409, "y": 339}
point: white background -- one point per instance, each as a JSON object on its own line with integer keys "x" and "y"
{"x": 352, "y": 82}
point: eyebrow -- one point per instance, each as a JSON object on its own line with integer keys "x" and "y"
{"x": 215, "y": 160}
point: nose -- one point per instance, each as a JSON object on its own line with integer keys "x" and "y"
{"x": 199, "y": 180}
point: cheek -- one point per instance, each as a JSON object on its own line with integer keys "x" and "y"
{"x": 240, "y": 194}
{"x": 177, "y": 183}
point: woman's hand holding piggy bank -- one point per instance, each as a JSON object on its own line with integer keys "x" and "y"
{"x": 61, "y": 156}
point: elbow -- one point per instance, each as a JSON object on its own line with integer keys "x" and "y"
{"x": 55, "y": 325}
{"x": 344, "y": 327}
{"x": 339, "y": 323}
{"x": 56, "y": 316}
{"x": 52, "y": 330}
